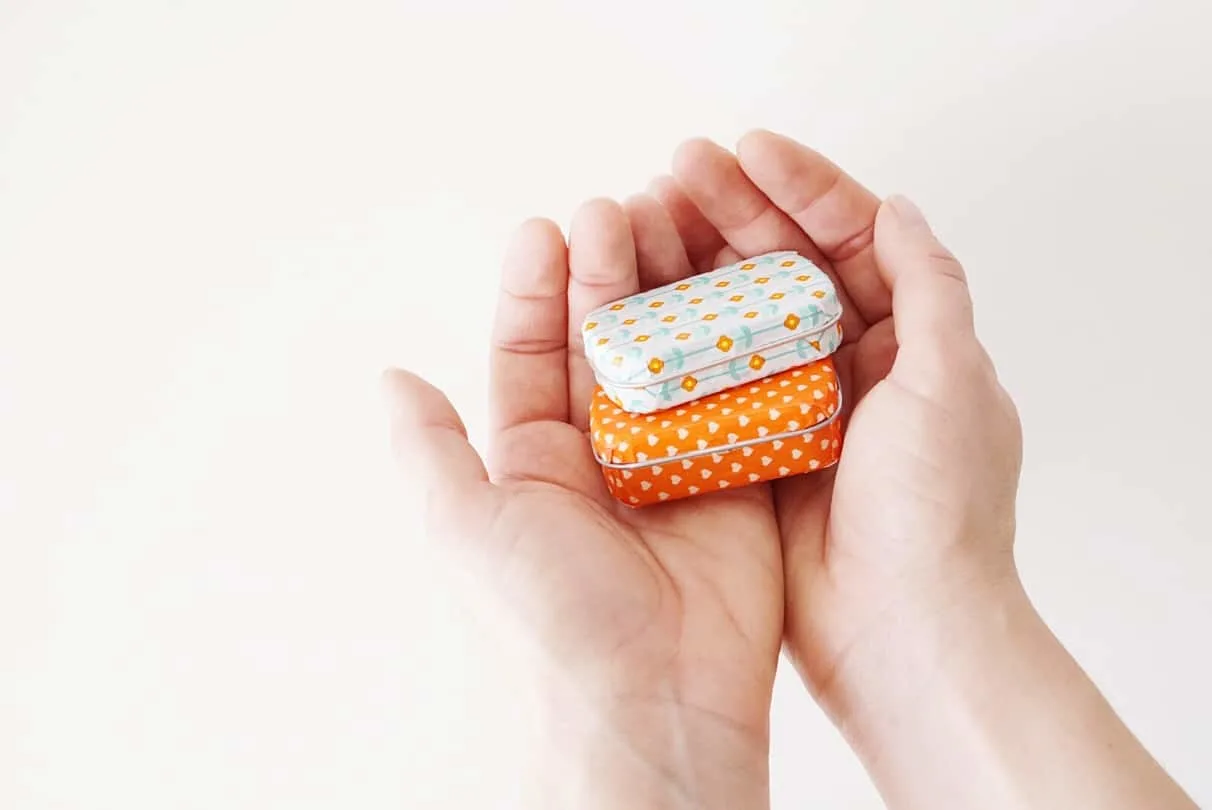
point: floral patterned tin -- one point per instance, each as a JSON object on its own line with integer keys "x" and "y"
{"x": 711, "y": 332}
{"x": 773, "y": 428}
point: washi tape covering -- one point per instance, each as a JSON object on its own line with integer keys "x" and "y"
{"x": 708, "y": 333}
{"x": 781, "y": 426}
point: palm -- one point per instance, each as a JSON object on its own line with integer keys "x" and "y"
{"x": 681, "y": 602}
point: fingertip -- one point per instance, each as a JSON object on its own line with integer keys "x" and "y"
{"x": 596, "y": 208}
{"x": 536, "y": 260}
{"x": 537, "y": 230}
{"x": 393, "y": 382}
{"x": 756, "y": 140}
{"x": 641, "y": 201}
{"x": 414, "y": 403}
{"x": 597, "y": 218}
{"x": 693, "y": 153}
{"x": 905, "y": 212}
{"x": 661, "y": 185}
{"x": 644, "y": 212}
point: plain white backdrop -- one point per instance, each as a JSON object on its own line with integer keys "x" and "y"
{"x": 220, "y": 220}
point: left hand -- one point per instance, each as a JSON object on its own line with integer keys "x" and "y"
{"x": 664, "y": 624}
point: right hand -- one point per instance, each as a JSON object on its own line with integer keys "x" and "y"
{"x": 904, "y": 610}
{"x": 919, "y": 514}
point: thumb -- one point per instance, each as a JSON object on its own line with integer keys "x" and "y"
{"x": 430, "y": 445}
{"x": 931, "y": 304}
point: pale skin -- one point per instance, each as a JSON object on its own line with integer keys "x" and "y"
{"x": 890, "y": 580}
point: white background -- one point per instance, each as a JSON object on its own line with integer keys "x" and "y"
{"x": 220, "y": 220}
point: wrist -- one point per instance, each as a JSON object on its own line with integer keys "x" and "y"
{"x": 970, "y": 701}
{"x": 932, "y": 626}
{"x": 647, "y": 753}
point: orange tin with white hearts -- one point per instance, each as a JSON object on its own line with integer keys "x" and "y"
{"x": 784, "y": 425}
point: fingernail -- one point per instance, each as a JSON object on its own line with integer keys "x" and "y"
{"x": 908, "y": 213}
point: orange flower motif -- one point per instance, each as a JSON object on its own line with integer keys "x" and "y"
{"x": 819, "y": 294}
{"x": 792, "y": 322}
{"x": 616, "y": 307}
{"x": 682, "y": 287}
{"x": 689, "y": 383}
{"x": 642, "y": 339}
{"x": 803, "y": 278}
{"x": 629, "y": 322}
{"x": 603, "y": 341}
{"x": 656, "y": 305}
{"x": 751, "y": 315}
{"x": 589, "y": 327}
{"x": 737, "y": 298}
{"x": 756, "y": 362}
{"x": 763, "y": 280}
{"x": 655, "y": 365}
{"x": 684, "y": 336}
{"x": 788, "y": 264}
{"x": 722, "y": 284}
{"x": 776, "y": 296}
{"x": 748, "y": 266}
{"x": 724, "y": 344}
{"x": 696, "y": 300}
{"x": 669, "y": 319}
{"x": 710, "y": 316}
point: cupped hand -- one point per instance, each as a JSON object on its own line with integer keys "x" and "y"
{"x": 663, "y": 624}
{"x": 919, "y": 514}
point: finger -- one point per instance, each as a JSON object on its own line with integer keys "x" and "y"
{"x": 701, "y": 239}
{"x": 660, "y": 255}
{"x": 932, "y": 307}
{"x": 528, "y": 369}
{"x": 727, "y": 255}
{"x": 874, "y": 357}
{"x": 801, "y": 505}
{"x": 430, "y": 444}
{"x": 601, "y": 259}
{"x": 834, "y": 210}
{"x": 712, "y": 178}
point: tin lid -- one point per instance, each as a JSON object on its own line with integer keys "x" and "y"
{"x": 753, "y": 305}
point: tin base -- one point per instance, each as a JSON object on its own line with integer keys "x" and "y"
{"x": 675, "y": 478}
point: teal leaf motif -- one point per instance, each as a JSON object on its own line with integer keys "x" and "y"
{"x": 745, "y": 339}
{"x": 736, "y": 369}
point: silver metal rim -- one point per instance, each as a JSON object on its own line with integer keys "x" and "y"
{"x": 711, "y": 451}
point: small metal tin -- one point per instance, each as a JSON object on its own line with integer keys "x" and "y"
{"x": 711, "y": 332}
{"x": 773, "y": 428}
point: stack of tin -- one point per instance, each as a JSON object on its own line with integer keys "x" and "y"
{"x": 718, "y": 381}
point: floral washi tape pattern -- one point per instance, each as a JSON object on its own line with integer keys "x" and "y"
{"x": 705, "y": 334}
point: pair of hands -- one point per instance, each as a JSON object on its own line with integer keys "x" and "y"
{"x": 665, "y": 624}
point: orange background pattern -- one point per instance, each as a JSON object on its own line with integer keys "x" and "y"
{"x": 664, "y": 443}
